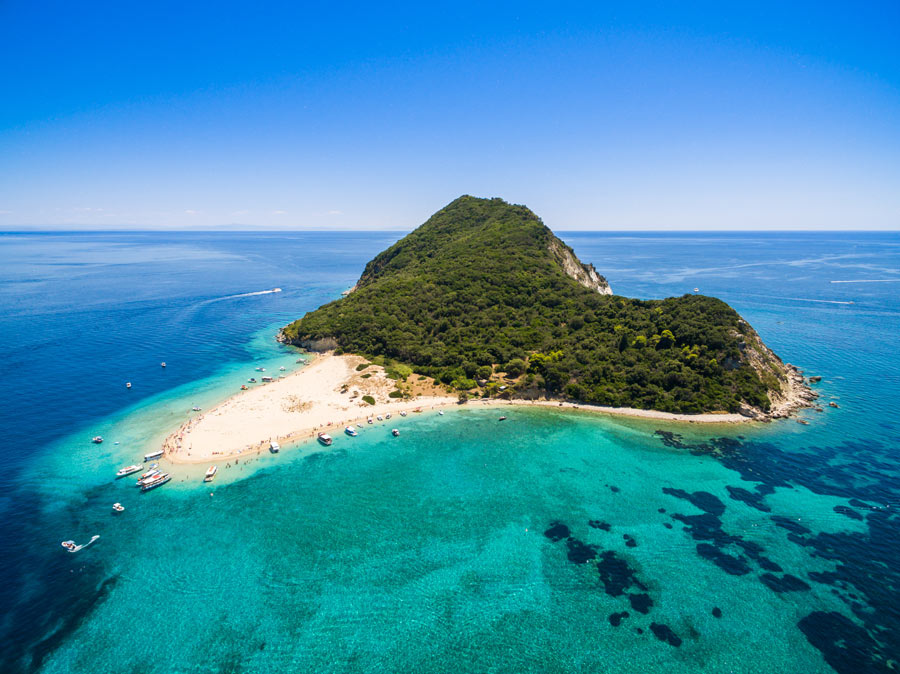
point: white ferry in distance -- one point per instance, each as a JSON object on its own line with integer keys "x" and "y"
{"x": 325, "y": 439}
{"x": 128, "y": 470}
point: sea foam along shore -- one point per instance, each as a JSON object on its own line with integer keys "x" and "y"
{"x": 309, "y": 401}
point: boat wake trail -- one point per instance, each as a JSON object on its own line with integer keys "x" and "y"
{"x": 231, "y": 297}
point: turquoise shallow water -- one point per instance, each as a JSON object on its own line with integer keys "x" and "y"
{"x": 465, "y": 544}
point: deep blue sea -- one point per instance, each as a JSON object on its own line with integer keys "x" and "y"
{"x": 558, "y": 541}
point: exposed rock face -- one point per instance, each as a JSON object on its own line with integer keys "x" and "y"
{"x": 585, "y": 274}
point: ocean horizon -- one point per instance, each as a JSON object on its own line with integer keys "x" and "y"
{"x": 560, "y": 541}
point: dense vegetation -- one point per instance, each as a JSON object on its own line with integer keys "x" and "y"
{"x": 475, "y": 293}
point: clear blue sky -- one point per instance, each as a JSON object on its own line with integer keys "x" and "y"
{"x": 317, "y": 115}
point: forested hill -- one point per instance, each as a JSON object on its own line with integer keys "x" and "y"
{"x": 483, "y": 295}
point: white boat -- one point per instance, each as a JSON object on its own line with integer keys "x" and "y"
{"x": 71, "y": 547}
{"x": 402, "y": 413}
{"x": 395, "y": 432}
{"x": 154, "y": 455}
{"x": 696, "y": 290}
{"x": 351, "y": 431}
{"x": 260, "y": 369}
{"x": 369, "y": 421}
{"x": 281, "y": 368}
{"x": 149, "y": 476}
{"x": 195, "y": 409}
{"x": 325, "y": 439}
{"x": 441, "y": 412}
{"x": 210, "y": 473}
{"x": 128, "y": 470}
{"x": 266, "y": 379}
{"x": 274, "y": 447}
{"x": 97, "y": 439}
{"x": 118, "y": 507}
{"x": 162, "y": 364}
{"x": 152, "y": 470}
{"x": 380, "y": 418}
{"x": 387, "y": 416}
{"x": 128, "y": 384}
{"x": 157, "y": 481}
{"x": 276, "y": 290}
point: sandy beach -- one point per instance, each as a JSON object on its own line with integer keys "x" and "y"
{"x": 326, "y": 396}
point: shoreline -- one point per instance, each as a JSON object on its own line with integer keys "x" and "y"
{"x": 326, "y": 395}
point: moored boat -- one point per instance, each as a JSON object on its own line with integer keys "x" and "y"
{"x": 402, "y": 413}
{"x": 243, "y": 387}
{"x": 97, "y": 439}
{"x": 162, "y": 364}
{"x": 380, "y": 418}
{"x": 325, "y": 439}
{"x": 351, "y": 431}
{"x": 149, "y": 476}
{"x": 210, "y": 473}
{"x": 154, "y": 455}
{"x": 395, "y": 432}
{"x": 195, "y": 409}
{"x": 274, "y": 447}
{"x": 118, "y": 507}
{"x": 502, "y": 419}
{"x": 387, "y": 416}
{"x": 128, "y": 384}
{"x": 266, "y": 380}
{"x": 157, "y": 481}
{"x": 128, "y": 470}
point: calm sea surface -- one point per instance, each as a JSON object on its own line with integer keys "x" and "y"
{"x": 557, "y": 541}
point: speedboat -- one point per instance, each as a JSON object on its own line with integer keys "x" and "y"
{"x": 274, "y": 447}
{"x": 325, "y": 439}
{"x": 128, "y": 470}
{"x": 162, "y": 364}
{"x": 69, "y": 545}
{"x": 281, "y": 368}
{"x": 128, "y": 384}
{"x": 154, "y": 455}
{"x": 97, "y": 439}
{"x": 266, "y": 379}
{"x": 441, "y": 412}
{"x": 351, "y": 431}
{"x": 502, "y": 419}
{"x": 369, "y": 421}
{"x": 252, "y": 380}
{"x": 395, "y": 432}
{"x": 210, "y": 473}
{"x": 118, "y": 507}
{"x": 387, "y": 416}
{"x": 260, "y": 369}
{"x": 402, "y": 413}
{"x": 380, "y": 418}
{"x": 195, "y": 409}
{"x": 276, "y": 290}
{"x": 157, "y": 481}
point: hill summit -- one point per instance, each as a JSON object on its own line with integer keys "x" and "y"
{"x": 486, "y": 299}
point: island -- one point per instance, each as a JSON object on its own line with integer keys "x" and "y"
{"x": 483, "y": 304}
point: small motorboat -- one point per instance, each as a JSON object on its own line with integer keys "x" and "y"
{"x": 162, "y": 364}
{"x": 260, "y": 369}
{"x": 402, "y": 413}
{"x": 97, "y": 439}
{"x": 266, "y": 380}
{"x": 395, "y": 432}
{"x": 380, "y": 418}
{"x": 281, "y": 368}
{"x": 71, "y": 547}
{"x": 252, "y": 380}
{"x": 441, "y": 413}
{"x": 502, "y": 419}
{"x": 128, "y": 470}
{"x": 387, "y": 416}
{"x": 369, "y": 421}
{"x": 195, "y": 409}
{"x": 244, "y": 387}
{"x": 118, "y": 507}
{"x": 154, "y": 455}
{"x": 127, "y": 384}
{"x": 325, "y": 439}
{"x": 351, "y": 431}
{"x": 210, "y": 473}
{"x": 276, "y": 290}
{"x": 274, "y": 447}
